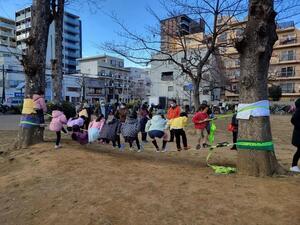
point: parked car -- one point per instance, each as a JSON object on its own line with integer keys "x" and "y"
{"x": 13, "y": 102}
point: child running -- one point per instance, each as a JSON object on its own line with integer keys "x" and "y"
{"x": 56, "y": 125}
{"x": 156, "y": 127}
{"x": 130, "y": 130}
{"x": 95, "y": 127}
{"x": 200, "y": 121}
{"x": 178, "y": 124}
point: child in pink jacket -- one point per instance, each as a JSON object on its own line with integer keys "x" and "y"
{"x": 95, "y": 127}
{"x": 40, "y": 105}
{"x": 56, "y": 125}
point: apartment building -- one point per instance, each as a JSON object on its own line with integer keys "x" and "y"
{"x": 172, "y": 29}
{"x": 113, "y": 80}
{"x": 284, "y": 68}
{"x": 7, "y": 32}
{"x": 141, "y": 81}
{"x": 72, "y": 38}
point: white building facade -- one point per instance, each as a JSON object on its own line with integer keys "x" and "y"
{"x": 168, "y": 82}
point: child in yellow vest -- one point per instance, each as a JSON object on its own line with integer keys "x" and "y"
{"x": 177, "y": 125}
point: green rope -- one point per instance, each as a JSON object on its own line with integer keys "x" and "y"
{"x": 219, "y": 169}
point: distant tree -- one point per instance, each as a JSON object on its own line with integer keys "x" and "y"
{"x": 275, "y": 92}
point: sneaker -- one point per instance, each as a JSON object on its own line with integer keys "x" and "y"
{"x": 233, "y": 148}
{"x": 295, "y": 169}
{"x": 205, "y": 145}
{"x": 187, "y": 148}
{"x": 164, "y": 150}
{"x": 179, "y": 149}
{"x": 157, "y": 150}
{"x": 57, "y": 146}
{"x": 139, "y": 150}
{"x": 198, "y": 146}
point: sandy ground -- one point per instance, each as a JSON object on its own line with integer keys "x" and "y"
{"x": 96, "y": 185}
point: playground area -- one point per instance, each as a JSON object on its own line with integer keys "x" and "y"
{"x": 98, "y": 185}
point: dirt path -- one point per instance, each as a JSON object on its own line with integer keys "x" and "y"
{"x": 96, "y": 185}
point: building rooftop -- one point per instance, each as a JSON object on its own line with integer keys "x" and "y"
{"x": 6, "y": 20}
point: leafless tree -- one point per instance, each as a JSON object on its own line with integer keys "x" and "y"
{"x": 190, "y": 53}
{"x": 34, "y": 63}
{"x": 255, "y": 48}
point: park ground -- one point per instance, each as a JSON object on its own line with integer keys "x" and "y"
{"x": 96, "y": 185}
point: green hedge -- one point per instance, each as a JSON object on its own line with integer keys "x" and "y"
{"x": 67, "y": 107}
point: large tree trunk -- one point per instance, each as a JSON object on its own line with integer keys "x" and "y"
{"x": 255, "y": 50}
{"x": 34, "y": 63}
{"x": 196, "y": 94}
{"x": 57, "y": 63}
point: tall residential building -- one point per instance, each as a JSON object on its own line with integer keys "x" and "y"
{"x": 7, "y": 32}
{"x": 72, "y": 38}
{"x": 284, "y": 68}
{"x": 173, "y": 28}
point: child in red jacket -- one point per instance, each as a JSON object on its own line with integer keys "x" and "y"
{"x": 200, "y": 120}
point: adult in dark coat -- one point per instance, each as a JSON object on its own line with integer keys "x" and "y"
{"x": 296, "y": 137}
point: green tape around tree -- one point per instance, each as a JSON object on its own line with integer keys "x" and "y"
{"x": 255, "y": 145}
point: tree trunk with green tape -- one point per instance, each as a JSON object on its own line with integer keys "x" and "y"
{"x": 34, "y": 63}
{"x": 255, "y": 49}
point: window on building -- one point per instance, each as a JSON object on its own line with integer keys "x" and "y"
{"x": 222, "y": 37}
{"x": 113, "y": 62}
{"x": 121, "y": 64}
{"x": 288, "y": 87}
{"x": 102, "y": 72}
{"x": 239, "y": 32}
{"x": 237, "y": 62}
{"x": 288, "y": 39}
{"x": 170, "y": 88}
{"x": 288, "y": 55}
{"x": 205, "y": 91}
{"x": 287, "y": 72}
{"x": 73, "y": 89}
{"x": 167, "y": 76}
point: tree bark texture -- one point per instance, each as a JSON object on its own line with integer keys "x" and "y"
{"x": 34, "y": 63}
{"x": 196, "y": 94}
{"x": 255, "y": 49}
{"x": 57, "y": 62}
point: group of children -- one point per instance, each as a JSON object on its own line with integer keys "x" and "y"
{"x": 129, "y": 123}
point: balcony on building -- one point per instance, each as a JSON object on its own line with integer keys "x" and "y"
{"x": 24, "y": 14}
{"x": 71, "y": 29}
{"x": 284, "y": 26}
{"x": 289, "y": 55}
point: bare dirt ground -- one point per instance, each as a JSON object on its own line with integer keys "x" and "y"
{"x": 96, "y": 185}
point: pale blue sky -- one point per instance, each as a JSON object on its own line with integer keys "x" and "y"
{"x": 98, "y": 27}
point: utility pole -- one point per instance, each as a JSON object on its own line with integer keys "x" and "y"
{"x": 3, "y": 84}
